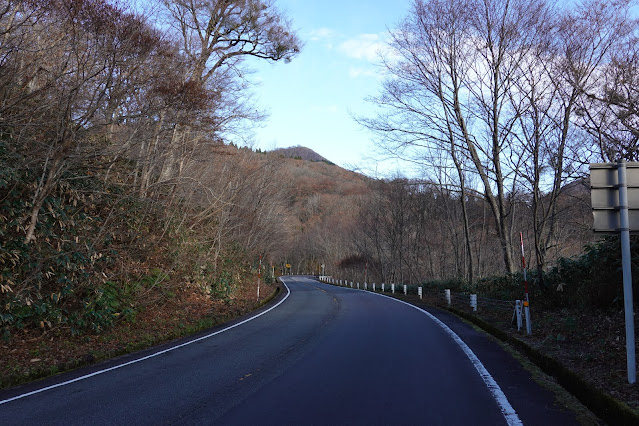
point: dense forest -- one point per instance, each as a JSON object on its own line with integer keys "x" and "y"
{"x": 124, "y": 180}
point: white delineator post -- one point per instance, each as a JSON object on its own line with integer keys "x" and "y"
{"x": 419, "y": 292}
{"x": 393, "y": 288}
{"x": 405, "y": 289}
{"x": 517, "y": 314}
{"x": 447, "y": 294}
{"x": 526, "y": 299}
{"x": 473, "y": 302}
{"x": 627, "y": 272}
{"x": 259, "y": 276}
{"x": 365, "y": 274}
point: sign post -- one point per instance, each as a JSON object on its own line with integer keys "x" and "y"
{"x": 615, "y": 203}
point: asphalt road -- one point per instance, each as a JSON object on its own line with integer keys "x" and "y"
{"x": 321, "y": 355}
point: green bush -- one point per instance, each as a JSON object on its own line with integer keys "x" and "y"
{"x": 507, "y": 287}
{"x": 595, "y": 278}
{"x": 58, "y": 279}
{"x": 456, "y": 285}
{"x": 592, "y": 279}
{"x": 222, "y": 285}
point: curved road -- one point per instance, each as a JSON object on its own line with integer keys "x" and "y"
{"x": 321, "y": 355}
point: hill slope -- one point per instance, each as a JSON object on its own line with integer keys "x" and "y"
{"x": 300, "y": 152}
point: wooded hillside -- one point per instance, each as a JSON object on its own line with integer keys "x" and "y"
{"x": 123, "y": 193}
{"x": 116, "y": 184}
{"x": 133, "y": 210}
{"x": 117, "y": 165}
{"x": 300, "y": 153}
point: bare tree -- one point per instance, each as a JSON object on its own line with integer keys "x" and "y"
{"x": 550, "y": 88}
{"x": 480, "y": 81}
{"x": 215, "y": 36}
{"x": 600, "y": 48}
{"x": 56, "y": 89}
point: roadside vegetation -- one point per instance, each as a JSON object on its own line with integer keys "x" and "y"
{"x": 127, "y": 214}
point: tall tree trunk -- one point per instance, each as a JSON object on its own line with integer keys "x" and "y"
{"x": 496, "y": 203}
{"x": 147, "y": 153}
{"x": 47, "y": 182}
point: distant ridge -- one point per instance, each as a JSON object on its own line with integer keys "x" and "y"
{"x": 301, "y": 153}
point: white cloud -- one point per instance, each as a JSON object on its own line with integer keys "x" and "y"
{"x": 321, "y": 34}
{"x": 364, "y": 46}
{"x": 354, "y": 72}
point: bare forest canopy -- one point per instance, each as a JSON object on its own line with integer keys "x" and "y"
{"x": 119, "y": 185}
{"x": 507, "y": 102}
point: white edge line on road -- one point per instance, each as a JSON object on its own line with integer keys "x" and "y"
{"x": 504, "y": 405}
{"x": 153, "y": 355}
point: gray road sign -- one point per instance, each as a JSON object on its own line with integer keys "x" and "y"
{"x": 604, "y": 184}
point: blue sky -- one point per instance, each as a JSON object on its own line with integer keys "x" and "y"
{"x": 310, "y": 100}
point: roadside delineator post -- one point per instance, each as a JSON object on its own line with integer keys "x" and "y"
{"x": 473, "y": 302}
{"x": 259, "y": 276}
{"x": 517, "y": 314}
{"x": 526, "y": 299}
{"x": 405, "y": 289}
{"x": 447, "y": 295}
{"x": 393, "y": 288}
{"x": 419, "y": 292}
{"x": 365, "y": 274}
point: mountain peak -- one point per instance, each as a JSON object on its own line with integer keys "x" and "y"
{"x": 300, "y": 152}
